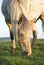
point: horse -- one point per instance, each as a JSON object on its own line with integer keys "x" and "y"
{"x": 34, "y": 12}
{"x": 13, "y": 14}
{"x": 30, "y": 11}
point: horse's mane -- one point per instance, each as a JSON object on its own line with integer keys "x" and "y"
{"x": 25, "y": 7}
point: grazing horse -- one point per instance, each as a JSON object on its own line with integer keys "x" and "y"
{"x": 12, "y": 10}
{"x": 34, "y": 12}
{"x": 30, "y": 11}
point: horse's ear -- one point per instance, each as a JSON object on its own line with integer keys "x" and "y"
{"x": 43, "y": 26}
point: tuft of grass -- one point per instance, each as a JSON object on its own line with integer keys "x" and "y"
{"x": 7, "y": 58}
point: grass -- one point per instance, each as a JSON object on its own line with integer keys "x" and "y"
{"x": 7, "y": 58}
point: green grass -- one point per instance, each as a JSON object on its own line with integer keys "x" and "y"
{"x": 7, "y": 58}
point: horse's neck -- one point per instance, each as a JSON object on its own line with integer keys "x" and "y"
{"x": 25, "y": 7}
{"x": 25, "y": 4}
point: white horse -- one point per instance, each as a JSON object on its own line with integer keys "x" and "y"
{"x": 30, "y": 11}
{"x": 12, "y": 10}
{"x": 34, "y": 12}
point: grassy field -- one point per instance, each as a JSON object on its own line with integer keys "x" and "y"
{"x": 7, "y": 58}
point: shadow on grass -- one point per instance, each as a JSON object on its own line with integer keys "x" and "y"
{"x": 4, "y": 62}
